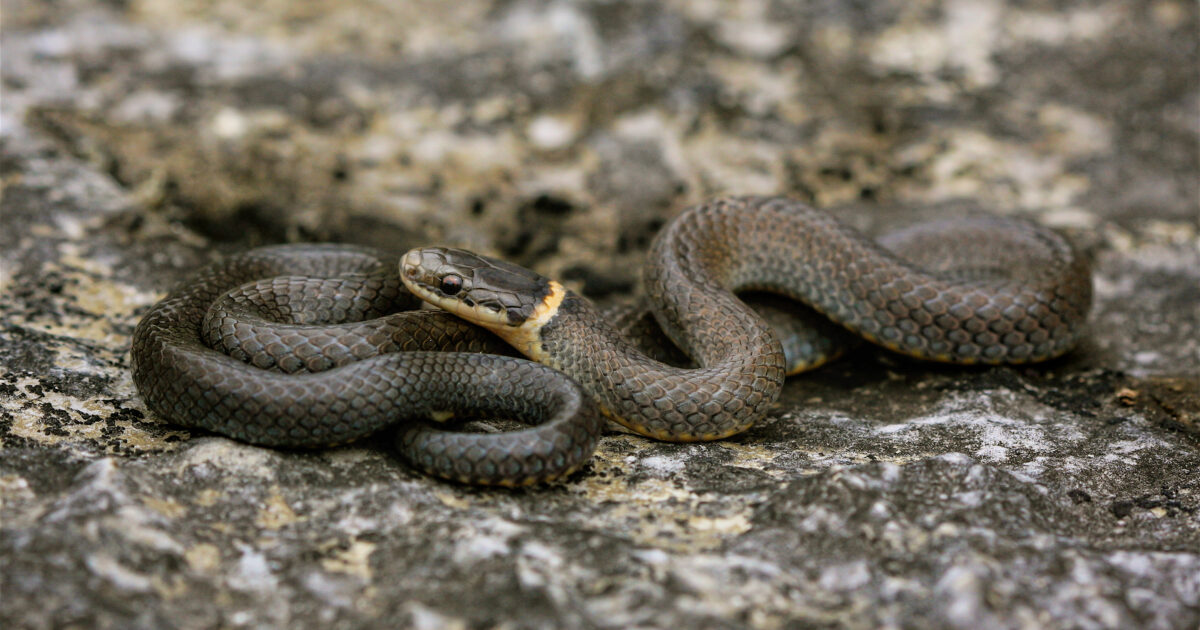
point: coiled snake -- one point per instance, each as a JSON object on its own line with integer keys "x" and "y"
{"x": 301, "y": 346}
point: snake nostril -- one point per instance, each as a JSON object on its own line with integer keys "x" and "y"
{"x": 412, "y": 260}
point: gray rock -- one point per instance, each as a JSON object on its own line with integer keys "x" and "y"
{"x": 139, "y": 142}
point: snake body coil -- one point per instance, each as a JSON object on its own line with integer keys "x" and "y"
{"x": 1006, "y": 291}
{"x": 986, "y": 290}
{"x": 368, "y": 374}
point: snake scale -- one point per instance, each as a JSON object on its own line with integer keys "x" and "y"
{"x": 314, "y": 345}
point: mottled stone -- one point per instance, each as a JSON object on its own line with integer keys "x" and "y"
{"x": 139, "y": 140}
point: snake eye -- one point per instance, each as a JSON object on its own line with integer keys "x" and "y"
{"x": 451, "y": 284}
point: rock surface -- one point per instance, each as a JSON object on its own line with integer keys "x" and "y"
{"x": 141, "y": 139}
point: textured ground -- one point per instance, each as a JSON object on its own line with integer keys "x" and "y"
{"x": 140, "y": 139}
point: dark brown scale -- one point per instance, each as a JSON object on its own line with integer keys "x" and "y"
{"x": 295, "y": 324}
{"x": 188, "y": 382}
{"x": 809, "y": 340}
{"x": 985, "y": 290}
{"x": 983, "y": 278}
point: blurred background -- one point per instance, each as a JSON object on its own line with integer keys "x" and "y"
{"x": 140, "y": 139}
{"x": 553, "y": 132}
{"x": 561, "y": 135}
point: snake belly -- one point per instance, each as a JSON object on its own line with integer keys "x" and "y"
{"x": 980, "y": 290}
{"x": 343, "y": 366}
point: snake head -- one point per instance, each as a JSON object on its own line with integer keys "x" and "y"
{"x": 485, "y": 291}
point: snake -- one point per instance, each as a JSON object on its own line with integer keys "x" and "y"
{"x": 307, "y": 346}
{"x": 314, "y": 345}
